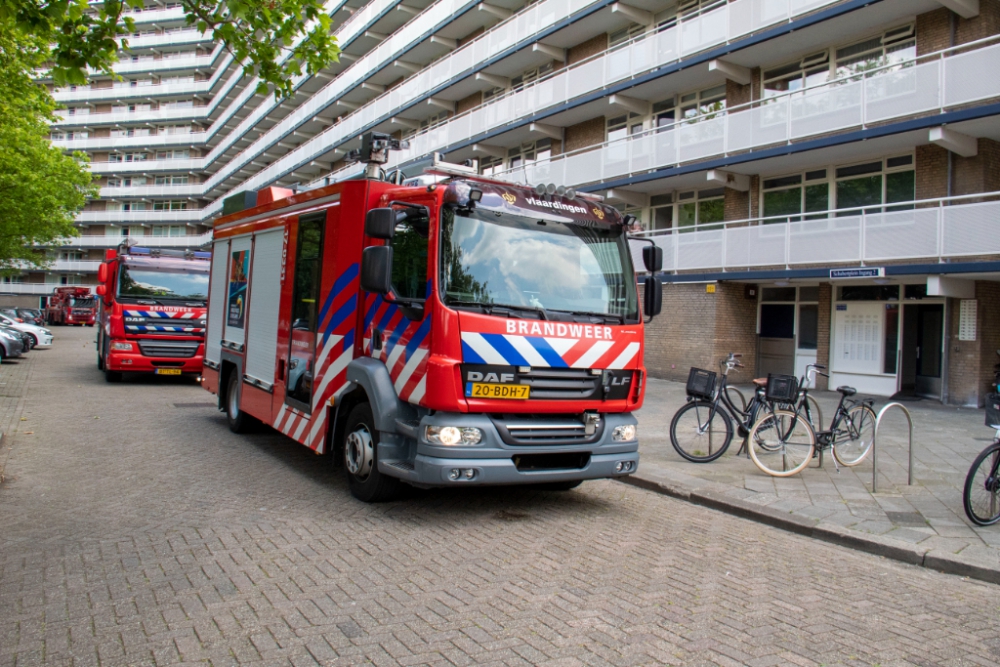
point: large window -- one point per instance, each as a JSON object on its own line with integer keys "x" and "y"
{"x": 409, "y": 256}
{"x": 874, "y": 183}
{"x": 797, "y": 193}
{"x": 305, "y": 309}
{"x": 699, "y": 209}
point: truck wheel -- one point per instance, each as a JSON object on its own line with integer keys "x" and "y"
{"x": 112, "y": 376}
{"x": 360, "y": 449}
{"x": 239, "y": 421}
{"x": 100, "y": 354}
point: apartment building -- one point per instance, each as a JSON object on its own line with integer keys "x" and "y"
{"x": 822, "y": 174}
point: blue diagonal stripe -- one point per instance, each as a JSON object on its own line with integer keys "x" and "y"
{"x": 387, "y": 317}
{"x": 469, "y": 355}
{"x": 505, "y": 349}
{"x": 418, "y": 338}
{"x": 372, "y": 309}
{"x": 342, "y": 314}
{"x": 348, "y": 340}
{"x": 548, "y": 354}
{"x": 396, "y": 334}
{"x": 339, "y": 285}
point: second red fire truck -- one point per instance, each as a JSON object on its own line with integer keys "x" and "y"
{"x": 71, "y": 305}
{"x": 152, "y": 316}
{"x": 454, "y": 331}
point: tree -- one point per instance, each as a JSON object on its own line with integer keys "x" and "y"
{"x": 272, "y": 39}
{"x": 41, "y": 188}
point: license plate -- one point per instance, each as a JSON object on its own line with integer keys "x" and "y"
{"x": 168, "y": 371}
{"x": 492, "y": 390}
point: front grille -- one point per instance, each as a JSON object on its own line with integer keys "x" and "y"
{"x": 565, "y": 384}
{"x": 527, "y": 430}
{"x": 181, "y": 350}
{"x": 165, "y": 327}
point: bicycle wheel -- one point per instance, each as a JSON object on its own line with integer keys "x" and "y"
{"x": 782, "y": 443}
{"x": 759, "y": 412}
{"x": 982, "y": 487}
{"x": 737, "y": 398}
{"x": 701, "y": 432}
{"x": 854, "y": 437}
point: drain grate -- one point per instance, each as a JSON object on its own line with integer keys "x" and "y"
{"x": 912, "y": 519}
{"x": 204, "y": 404}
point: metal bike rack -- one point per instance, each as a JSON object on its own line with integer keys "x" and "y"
{"x": 878, "y": 421}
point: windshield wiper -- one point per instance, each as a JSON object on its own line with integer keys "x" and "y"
{"x": 148, "y": 302}
{"x": 608, "y": 318}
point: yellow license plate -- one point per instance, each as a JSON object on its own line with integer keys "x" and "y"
{"x": 168, "y": 371}
{"x": 492, "y": 390}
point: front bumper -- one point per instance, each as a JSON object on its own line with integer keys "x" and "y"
{"x": 495, "y": 462}
{"x": 135, "y": 362}
{"x": 44, "y": 342}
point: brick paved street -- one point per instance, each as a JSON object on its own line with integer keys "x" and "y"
{"x": 137, "y": 530}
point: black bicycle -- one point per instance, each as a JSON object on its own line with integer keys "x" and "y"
{"x": 982, "y": 485}
{"x": 702, "y": 429}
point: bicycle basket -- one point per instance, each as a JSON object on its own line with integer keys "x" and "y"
{"x": 701, "y": 383}
{"x": 782, "y": 388}
{"x": 993, "y": 410}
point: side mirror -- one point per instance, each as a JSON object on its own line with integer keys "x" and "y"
{"x": 376, "y": 268}
{"x": 652, "y": 297}
{"x": 652, "y": 257}
{"x": 380, "y": 223}
{"x": 102, "y": 274}
{"x": 101, "y": 289}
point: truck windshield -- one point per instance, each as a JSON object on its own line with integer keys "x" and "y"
{"x": 81, "y": 302}
{"x": 491, "y": 259}
{"x": 159, "y": 283}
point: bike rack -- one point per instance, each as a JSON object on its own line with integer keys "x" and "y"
{"x": 878, "y": 421}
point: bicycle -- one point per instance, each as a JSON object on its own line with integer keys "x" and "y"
{"x": 702, "y": 429}
{"x": 981, "y": 495}
{"x": 783, "y": 443}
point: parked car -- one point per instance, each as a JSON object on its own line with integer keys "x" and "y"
{"x": 41, "y": 337}
{"x": 32, "y": 316}
{"x": 11, "y": 313}
{"x": 12, "y": 345}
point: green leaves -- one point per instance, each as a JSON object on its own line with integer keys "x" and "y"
{"x": 275, "y": 40}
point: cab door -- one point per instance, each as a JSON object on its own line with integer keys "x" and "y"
{"x": 300, "y": 367}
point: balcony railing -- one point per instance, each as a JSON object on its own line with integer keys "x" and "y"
{"x": 927, "y": 84}
{"x": 111, "y": 241}
{"x": 930, "y": 230}
{"x": 137, "y": 217}
{"x": 33, "y": 288}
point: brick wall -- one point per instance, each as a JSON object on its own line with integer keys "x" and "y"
{"x": 931, "y": 172}
{"x": 584, "y": 134}
{"x": 470, "y": 102}
{"x": 737, "y": 205}
{"x": 471, "y": 36}
{"x": 592, "y": 46}
{"x": 934, "y": 28}
{"x": 737, "y": 94}
{"x": 825, "y": 305}
{"x": 697, "y": 328}
{"x": 980, "y": 173}
{"x": 964, "y": 361}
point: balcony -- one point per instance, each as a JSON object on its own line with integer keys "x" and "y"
{"x": 127, "y": 117}
{"x": 143, "y": 142}
{"x": 144, "y": 166}
{"x": 33, "y": 288}
{"x": 112, "y": 241}
{"x": 151, "y": 190}
{"x": 138, "y": 217}
{"x": 75, "y": 265}
{"x": 933, "y": 230}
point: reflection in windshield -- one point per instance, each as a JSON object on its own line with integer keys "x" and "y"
{"x": 518, "y": 261}
{"x": 163, "y": 283}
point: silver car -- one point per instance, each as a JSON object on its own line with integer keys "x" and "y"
{"x": 11, "y": 343}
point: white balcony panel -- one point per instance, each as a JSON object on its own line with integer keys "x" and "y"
{"x": 32, "y": 288}
{"x": 826, "y": 109}
{"x": 161, "y": 191}
{"x": 696, "y": 250}
{"x": 705, "y": 31}
{"x": 112, "y": 168}
{"x": 826, "y": 240}
{"x": 136, "y": 217}
{"x": 759, "y": 245}
{"x": 132, "y": 143}
{"x": 89, "y": 266}
{"x": 972, "y": 76}
{"x": 902, "y": 234}
{"x": 152, "y": 66}
{"x": 907, "y": 91}
{"x": 170, "y": 39}
{"x": 110, "y": 94}
{"x": 157, "y": 15}
{"x": 106, "y": 241}
{"x": 151, "y": 116}
{"x": 971, "y": 229}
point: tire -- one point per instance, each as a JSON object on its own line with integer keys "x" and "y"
{"x": 239, "y": 421}
{"x": 855, "y": 436}
{"x": 982, "y": 488}
{"x": 360, "y": 449}
{"x": 112, "y": 376}
{"x": 34, "y": 341}
{"x": 790, "y": 443}
{"x": 100, "y": 354}
{"x": 700, "y": 432}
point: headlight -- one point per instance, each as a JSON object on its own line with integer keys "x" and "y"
{"x": 122, "y": 347}
{"x": 453, "y": 435}
{"x": 623, "y": 433}
{"x": 46, "y": 332}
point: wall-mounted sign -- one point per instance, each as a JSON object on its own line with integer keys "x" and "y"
{"x": 873, "y": 272}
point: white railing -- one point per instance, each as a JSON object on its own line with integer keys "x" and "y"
{"x": 848, "y": 103}
{"x": 89, "y": 266}
{"x": 136, "y": 217}
{"x": 930, "y": 229}
{"x": 147, "y": 116}
{"x": 32, "y": 288}
{"x": 151, "y": 190}
{"x": 142, "y": 166}
{"x": 111, "y": 241}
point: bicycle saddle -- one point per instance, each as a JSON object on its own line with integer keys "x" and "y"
{"x": 760, "y": 382}
{"x": 847, "y": 391}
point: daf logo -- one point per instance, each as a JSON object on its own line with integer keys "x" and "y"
{"x": 509, "y": 198}
{"x": 490, "y": 377}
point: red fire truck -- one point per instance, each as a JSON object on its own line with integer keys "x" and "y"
{"x": 152, "y": 317}
{"x": 450, "y": 330}
{"x": 71, "y": 305}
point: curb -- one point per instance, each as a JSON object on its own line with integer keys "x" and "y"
{"x": 873, "y": 544}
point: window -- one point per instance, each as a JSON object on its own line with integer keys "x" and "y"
{"x": 169, "y": 230}
{"x": 706, "y": 102}
{"x": 875, "y": 183}
{"x": 520, "y": 81}
{"x": 490, "y": 166}
{"x": 624, "y": 35}
{"x": 409, "y": 256}
{"x": 179, "y": 104}
{"x": 868, "y": 293}
{"x": 529, "y": 152}
{"x": 810, "y": 71}
{"x": 622, "y": 126}
{"x": 174, "y": 129}
{"x": 426, "y": 123}
{"x": 798, "y": 193}
{"x": 891, "y": 47}
{"x": 176, "y": 205}
{"x": 130, "y": 108}
{"x": 305, "y": 301}
{"x": 662, "y": 211}
{"x": 808, "y": 327}
{"x": 130, "y": 132}
{"x": 173, "y": 155}
{"x": 697, "y": 209}
{"x": 171, "y": 180}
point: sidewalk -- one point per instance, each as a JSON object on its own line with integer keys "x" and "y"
{"x": 14, "y": 377}
{"x": 923, "y": 524}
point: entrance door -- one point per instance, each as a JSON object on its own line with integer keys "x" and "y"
{"x": 307, "y": 272}
{"x": 923, "y": 336}
{"x": 777, "y": 339}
